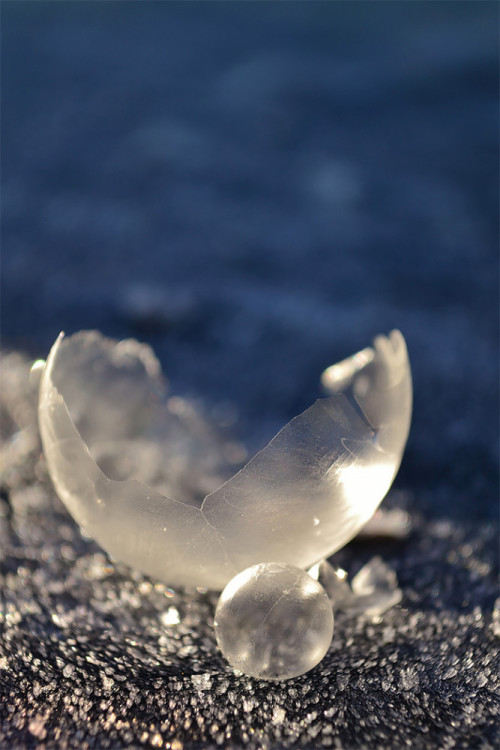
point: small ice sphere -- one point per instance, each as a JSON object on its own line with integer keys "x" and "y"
{"x": 273, "y": 621}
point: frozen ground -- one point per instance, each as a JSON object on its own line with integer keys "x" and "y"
{"x": 256, "y": 190}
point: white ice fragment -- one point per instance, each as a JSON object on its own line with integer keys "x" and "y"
{"x": 170, "y": 617}
{"x": 279, "y": 715}
{"x": 202, "y": 681}
{"x": 105, "y": 423}
{"x": 373, "y": 590}
{"x": 394, "y": 524}
{"x": 334, "y": 581}
{"x": 376, "y": 588}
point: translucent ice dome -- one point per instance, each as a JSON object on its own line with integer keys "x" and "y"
{"x": 104, "y": 420}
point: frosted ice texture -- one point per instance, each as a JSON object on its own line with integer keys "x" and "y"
{"x": 102, "y": 416}
{"x": 373, "y": 590}
{"x": 273, "y": 621}
{"x": 376, "y": 587}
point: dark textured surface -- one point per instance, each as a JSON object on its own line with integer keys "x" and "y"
{"x": 256, "y": 190}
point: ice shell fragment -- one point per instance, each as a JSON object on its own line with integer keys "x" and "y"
{"x": 274, "y": 622}
{"x": 373, "y": 590}
{"x": 376, "y": 587}
{"x": 104, "y": 419}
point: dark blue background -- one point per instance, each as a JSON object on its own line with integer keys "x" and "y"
{"x": 258, "y": 189}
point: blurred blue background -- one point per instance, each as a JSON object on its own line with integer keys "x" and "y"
{"x": 258, "y": 189}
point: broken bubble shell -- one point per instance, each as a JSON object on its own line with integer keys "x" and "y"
{"x": 297, "y": 501}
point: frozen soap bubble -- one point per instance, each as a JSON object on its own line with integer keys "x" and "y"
{"x": 125, "y": 461}
{"x": 274, "y": 621}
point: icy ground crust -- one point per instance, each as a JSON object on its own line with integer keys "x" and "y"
{"x": 90, "y": 656}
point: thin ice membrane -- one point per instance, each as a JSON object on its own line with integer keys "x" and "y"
{"x": 301, "y": 498}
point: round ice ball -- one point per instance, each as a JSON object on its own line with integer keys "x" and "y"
{"x": 273, "y": 621}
